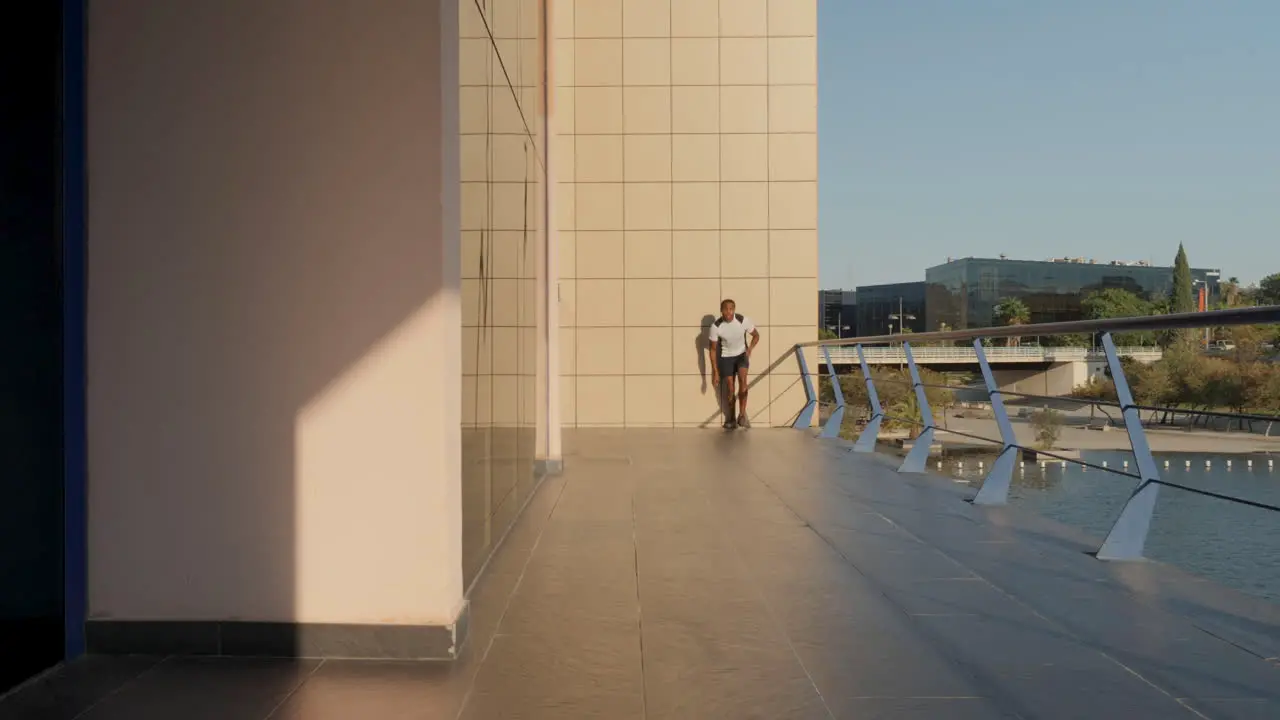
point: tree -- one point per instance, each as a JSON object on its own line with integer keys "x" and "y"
{"x": 1231, "y": 292}
{"x": 897, "y": 397}
{"x": 1047, "y": 424}
{"x": 1268, "y": 292}
{"x": 1012, "y": 311}
{"x": 1183, "y": 298}
{"x": 1117, "y": 303}
{"x": 827, "y": 334}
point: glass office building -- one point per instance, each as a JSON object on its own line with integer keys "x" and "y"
{"x": 879, "y": 306}
{"x": 839, "y": 312}
{"x": 964, "y": 293}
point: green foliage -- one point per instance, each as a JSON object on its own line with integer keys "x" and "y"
{"x": 897, "y": 397}
{"x": 825, "y": 334}
{"x": 1117, "y": 303}
{"x": 1012, "y": 311}
{"x": 1183, "y": 298}
{"x": 1098, "y": 389}
{"x": 1047, "y": 424}
{"x": 1186, "y": 378}
{"x": 1268, "y": 292}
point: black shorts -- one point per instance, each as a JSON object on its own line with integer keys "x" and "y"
{"x": 729, "y": 366}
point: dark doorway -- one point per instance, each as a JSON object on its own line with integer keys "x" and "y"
{"x": 31, "y": 423}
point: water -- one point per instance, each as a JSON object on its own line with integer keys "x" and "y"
{"x": 1232, "y": 544}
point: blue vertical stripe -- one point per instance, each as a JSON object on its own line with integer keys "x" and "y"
{"x": 74, "y": 209}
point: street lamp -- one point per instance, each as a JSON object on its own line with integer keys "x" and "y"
{"x": 900, "y": 316}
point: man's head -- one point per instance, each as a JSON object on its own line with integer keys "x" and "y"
{"x": 727, "y": 309}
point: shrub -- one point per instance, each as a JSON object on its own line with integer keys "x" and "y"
{"x": 1048, "y": 426}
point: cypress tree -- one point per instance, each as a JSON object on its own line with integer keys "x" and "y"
{"x": 1183, "y": 299}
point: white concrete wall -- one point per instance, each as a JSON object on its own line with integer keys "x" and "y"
{"x": 1056, "y": 380}
{"x": 274, "y": 315}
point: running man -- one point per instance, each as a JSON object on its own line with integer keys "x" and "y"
{"x": 730, "y": 357}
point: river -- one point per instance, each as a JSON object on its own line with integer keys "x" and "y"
{"x": 1233, "y": 544}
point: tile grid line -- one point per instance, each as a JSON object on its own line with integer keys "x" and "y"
{"x": 576, "y": 264}
{"x": 726, "y": 406}
{"x": 622, "y": 72}
{"x": 868, "y": 507}
{"x": 671, "y": 168}
{"x": 524, "y": 568}
{"x": 294, "y": 691}
{"x": 768, "y": 218}
{"x": 745, "y": 569}
{"x": 665, "y": 37}
{"x": 122, "y": 687}
{"x": 717, "y": 86}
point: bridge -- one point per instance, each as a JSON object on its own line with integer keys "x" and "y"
{"x": 780, "y": 573}
{"x": 1033, "y": 369}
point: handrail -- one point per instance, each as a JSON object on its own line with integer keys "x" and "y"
{"x": 1265, "y": 315}
{"x": 1127, "y": 538}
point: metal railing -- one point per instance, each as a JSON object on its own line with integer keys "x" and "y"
{"x": 1127, "y": 537}
{"x": 927, "y": 355}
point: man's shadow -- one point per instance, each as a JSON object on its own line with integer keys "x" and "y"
{"x": 702, "y": 344}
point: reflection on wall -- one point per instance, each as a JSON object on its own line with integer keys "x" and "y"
{"x": 503, "y": 181}
{"x": 879, "y": 308}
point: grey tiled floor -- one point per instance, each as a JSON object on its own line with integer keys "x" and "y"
{"x": 761, "y": 574}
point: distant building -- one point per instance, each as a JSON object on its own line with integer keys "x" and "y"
{"x": 963, "y": 293}
{"x": 839, "y": 312}
{"x": 878, "y": 306}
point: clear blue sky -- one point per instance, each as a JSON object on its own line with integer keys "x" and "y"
{"x": 1112, "y": 129}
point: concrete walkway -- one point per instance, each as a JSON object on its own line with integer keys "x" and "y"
{"x": 760, "y": 574}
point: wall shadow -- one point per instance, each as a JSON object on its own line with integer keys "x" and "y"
{"x": 702, "y": 345}
{"x": 755, "y": 379}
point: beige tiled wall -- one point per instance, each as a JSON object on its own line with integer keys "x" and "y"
{"x": 503, "y": 181}
{"x": 686, "y": 168}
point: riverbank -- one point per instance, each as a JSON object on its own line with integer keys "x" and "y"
{"x": 1080, "y": 438}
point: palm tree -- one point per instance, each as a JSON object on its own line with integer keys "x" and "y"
{"x": 1012, "y": 311}
{"x": 1230, "y": 292}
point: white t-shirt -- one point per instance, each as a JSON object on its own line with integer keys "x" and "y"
{"x": 732, "y": 334}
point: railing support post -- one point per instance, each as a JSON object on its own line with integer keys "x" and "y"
{"x": 995, "y": 488}
{"x": 1128, "y": 537}
{"x": 919, "y": 455}
{"x": 832, "y": 427}
{"x": 804, "y": 420}
{"x": 871, "y": 433}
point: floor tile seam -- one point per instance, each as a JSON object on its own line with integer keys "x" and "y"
{"x": 1119, "y": 590}
{"x": 1150, "y": 607}
{"x": 123, "y": 686}
{"x": 644, "y": 676}
{"x": 773, "y": 615}
{"x": 958, "y": 663}
{"x": 1066, "y": 631}
{"x": 471, "y": 683}
{"x": 294, "y": 691}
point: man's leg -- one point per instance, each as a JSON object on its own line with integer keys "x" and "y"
{"x": 729, "y": 386}
{"x": 743, "y": 419}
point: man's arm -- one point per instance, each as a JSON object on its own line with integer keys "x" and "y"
{"x": 755, "y": 336}
{"x": 714, "y": 350}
